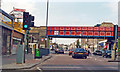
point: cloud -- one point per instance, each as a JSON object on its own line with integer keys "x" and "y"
{"x": 113, "y": 6}
{"x": 29, "y": 5}
{"x": 114, "y": 9}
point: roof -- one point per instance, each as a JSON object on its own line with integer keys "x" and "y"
{"x": 97, "y": 25}
{"x": 6, "y": 14}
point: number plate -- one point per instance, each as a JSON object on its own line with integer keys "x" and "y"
{"x": 80, "y": 53}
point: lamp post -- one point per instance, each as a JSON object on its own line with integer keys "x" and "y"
{"x": 46, "y": 38}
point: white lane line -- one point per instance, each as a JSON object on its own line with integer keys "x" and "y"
{"x": 95, "y": 59}
{"x": 39, "y": 69}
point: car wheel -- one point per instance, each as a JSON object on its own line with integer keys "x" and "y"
{"x": 85, "y": 57}
{"x": 106, "y": 56}
{"x": 73, "y": 56}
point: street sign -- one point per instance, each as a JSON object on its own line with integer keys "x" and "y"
{"x": 19, "y": 10}
{"x": 42, "y": 39}
{"x": 50, "y": 38}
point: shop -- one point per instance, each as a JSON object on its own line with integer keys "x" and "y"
{"x": 6, "y": 31}
{"x": 6, "y": 40}
{"x": 17, "y": 39}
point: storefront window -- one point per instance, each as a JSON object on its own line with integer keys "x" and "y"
{"x": 6, "y": 43}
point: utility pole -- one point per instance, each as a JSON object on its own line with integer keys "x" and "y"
{"x": 25, "y": 44}
{"x": 46, "y": 38}
{"x": 0, "y": 3}
{"x": 115, "y": 40}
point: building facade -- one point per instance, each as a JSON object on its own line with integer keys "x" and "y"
{"x": 11, "y": 35}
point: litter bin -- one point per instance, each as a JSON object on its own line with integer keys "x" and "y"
{"x": 37, "y": 54}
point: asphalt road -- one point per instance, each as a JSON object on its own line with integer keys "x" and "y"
{"x": 66, "y": 62}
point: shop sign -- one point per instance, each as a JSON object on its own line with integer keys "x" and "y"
{"x": 20, "y": 10}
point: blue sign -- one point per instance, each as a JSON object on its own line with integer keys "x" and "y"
{"x": 50, "y": 38}
{"x": 101, "y": 44}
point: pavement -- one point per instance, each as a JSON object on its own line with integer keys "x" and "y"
{"x": 8, "y": 59}
{"x": 114, "y": 60}
{"x": 29, "y": 63}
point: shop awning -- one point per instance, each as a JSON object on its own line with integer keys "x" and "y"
{"x": 6, "y": 26}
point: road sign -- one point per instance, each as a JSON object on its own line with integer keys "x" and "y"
{"x": 42, "y": 39}
{"x": 50, "y": 38}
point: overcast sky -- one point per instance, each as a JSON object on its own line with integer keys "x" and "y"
{"x": 67, "y": 12}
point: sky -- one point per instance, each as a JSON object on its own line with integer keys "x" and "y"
{"x": 67, "y": 12}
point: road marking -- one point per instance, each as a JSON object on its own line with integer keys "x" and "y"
{"x": 39, "y": 69}
{"x": 95, "y": 59}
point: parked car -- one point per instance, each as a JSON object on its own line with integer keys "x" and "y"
{"x": 56, "y": 50}
{"x": 107, "y": 54}
{"x": 70, "y": 51}
{"x": 60, "y": 51}
{"x": 98, "y": 52}
{"x": 79, "y": 52}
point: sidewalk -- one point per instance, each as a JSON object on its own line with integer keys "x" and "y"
{"x": 28, "y": 64}
{"x": 117, "y": 60}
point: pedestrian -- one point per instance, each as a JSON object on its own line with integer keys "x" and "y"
{"x": 89, "y": 53}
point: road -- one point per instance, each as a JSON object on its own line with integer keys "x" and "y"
{"x": 66, "y": 62}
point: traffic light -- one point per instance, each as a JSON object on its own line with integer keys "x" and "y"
{"x": 25, "y": 20}
{"x": 31, "y": 19}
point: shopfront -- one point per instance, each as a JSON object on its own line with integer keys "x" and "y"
{"x": 6, "y": 42}
{"x": 17, "y": 39}
{"x": 6, "y": 31}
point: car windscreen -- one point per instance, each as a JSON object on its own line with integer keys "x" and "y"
{"x": 98, "y": 51}
{"x": 108, "y": 51}
{"x": 80, "y": 50}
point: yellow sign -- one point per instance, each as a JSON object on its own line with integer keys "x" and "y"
{"x": 114, "y": 46}
{"x": 23, "y": 43}
{"x": 85, "y": 46}
{"x": 51, "y": 43}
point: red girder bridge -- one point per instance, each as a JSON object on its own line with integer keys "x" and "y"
{"x": 109, "y": 33}
{"x": 83, "y": 32}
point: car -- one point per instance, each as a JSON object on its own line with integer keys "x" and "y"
{"x": 79, "y": 53}
{"x": 60, "y": 51}
{"x": 108, "y": 54}
{"x": 70, "y": 51}
{"x": 56, "y": 50}
{"x": 97, "y": 52}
